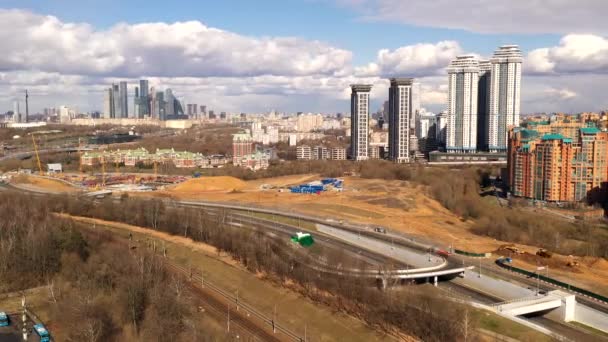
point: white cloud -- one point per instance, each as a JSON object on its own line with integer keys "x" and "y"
{"x": 561, "y": 94}
{"x": 433, "y": 96}
{"x": 491, "y": 16}
{"x": 412, "y": 60}
{"x": 575, "y": 53}
{"x": 71, "y": 63}
{"x": 45, "y": 43}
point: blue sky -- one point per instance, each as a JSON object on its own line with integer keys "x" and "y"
{"x": 253, "y": 64}
{"x": 315, "y": 20}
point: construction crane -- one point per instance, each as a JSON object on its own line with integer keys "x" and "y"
{"x": 103, "y": 170}
{"x": 36, "y": 152}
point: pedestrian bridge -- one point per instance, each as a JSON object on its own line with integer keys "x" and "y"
{"x": 560, "y": 300}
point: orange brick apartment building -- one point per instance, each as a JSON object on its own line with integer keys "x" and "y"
{"x": 558, "y": 162}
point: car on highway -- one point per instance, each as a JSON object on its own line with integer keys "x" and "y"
{"x": 42, "y": 332}
{"x": 4, "y": 319}
{"x": 380, "y": 230}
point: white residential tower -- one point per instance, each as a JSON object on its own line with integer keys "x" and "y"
{"x": 504, "y": 96}
{"x": 359, "y": 123}
{"x": 461, "y": 133}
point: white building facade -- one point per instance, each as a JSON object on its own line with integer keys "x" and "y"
{"x": 504, "y": 96}
{"x": 359, "y": 109}
{"x": 461, "y": 130}
{"x": 442, "y": 124}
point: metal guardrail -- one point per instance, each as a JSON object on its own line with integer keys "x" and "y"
{"x": 471, "y": 254}
{"x": 500, "y": 262}
{"x": 517, "y": 300}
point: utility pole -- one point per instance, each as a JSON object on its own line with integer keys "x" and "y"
{"x": 537, "y": 278}
{"x": 537, "y": 282}
{"x": 24, "y": 318}
{"x": 228, "y": 323}
{"x": 274, "y": 319}
{"x": 202, "y": 277}
{"x": 479, "y": 267}
{"x": 237, "y": 300}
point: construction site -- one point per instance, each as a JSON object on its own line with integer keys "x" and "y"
{"x": 402, "y": 206}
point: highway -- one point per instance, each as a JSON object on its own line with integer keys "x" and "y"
{"x": 485, "y": 289}
{"x": 28, "y": 154}
{"x": 467, "y": 286}
{"x": 391, "y": 239}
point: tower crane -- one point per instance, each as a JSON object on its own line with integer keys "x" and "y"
{"x": 37, "y": 154}
{"x": 103, "y": 170}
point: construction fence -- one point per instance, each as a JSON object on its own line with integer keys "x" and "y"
{"x": 471, "y": 254}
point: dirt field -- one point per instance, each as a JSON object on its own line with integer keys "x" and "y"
{"x": 208, "y": 184}
{"x": 44, "y": 183}
{"x": 399, "y": 205}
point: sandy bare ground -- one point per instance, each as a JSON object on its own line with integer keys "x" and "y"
{"x": 208, "y": 184}
{"x": 44, "y": 184}
{"x": 401, "y": 206}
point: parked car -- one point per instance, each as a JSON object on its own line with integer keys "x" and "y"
{"x": 4, "y": 319}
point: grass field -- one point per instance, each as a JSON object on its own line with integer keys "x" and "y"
{"x": 491, "y": 322}
{"x": 591, "y": 329}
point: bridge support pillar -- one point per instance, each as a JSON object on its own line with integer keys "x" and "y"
{"x": 568, "y": 307}
{"x": 435, "y": 281}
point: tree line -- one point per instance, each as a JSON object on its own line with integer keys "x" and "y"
{"x": 414, "y": 312}
{"x": 98, "y": 289}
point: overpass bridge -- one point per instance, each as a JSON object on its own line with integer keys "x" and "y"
{"x": 560, "y": 301}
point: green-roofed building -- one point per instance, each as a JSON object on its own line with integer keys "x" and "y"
{"x": 566, "y": 162}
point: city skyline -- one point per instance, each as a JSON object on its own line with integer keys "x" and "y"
{"x": 224, "y": 64}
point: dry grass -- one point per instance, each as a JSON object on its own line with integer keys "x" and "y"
{"x": 44, "y": 184}
{"x": 292, "y": 310}
{"x": 208, "y": 184}
{"x": 37, "y": 299}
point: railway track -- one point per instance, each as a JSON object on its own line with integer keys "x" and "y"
{"x": 239, "y": 323}
{"x": 245, "y": 323}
